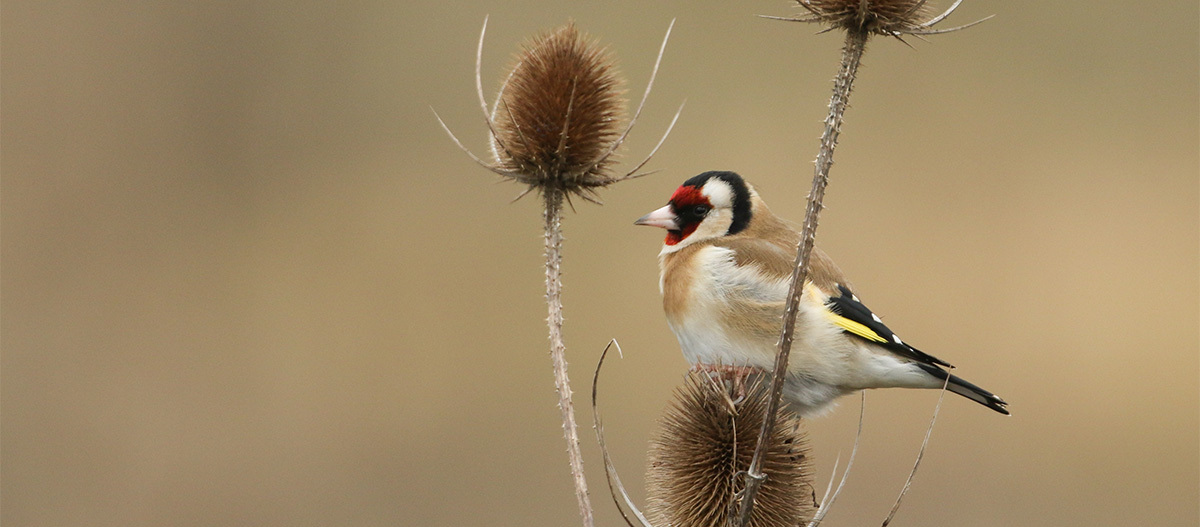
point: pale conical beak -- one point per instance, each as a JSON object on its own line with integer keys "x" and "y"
{"x": 663, "y": 217}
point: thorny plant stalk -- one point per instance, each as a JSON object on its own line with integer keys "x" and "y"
{"x": 558, "y": 350}
{"x": 860, "y": 19}
{"x": 851, "y": 57}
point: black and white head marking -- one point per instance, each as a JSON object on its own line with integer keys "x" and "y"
{"x": 726, "y": 190}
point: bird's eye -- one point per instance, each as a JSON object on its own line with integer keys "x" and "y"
{"x": 700, "y": 210}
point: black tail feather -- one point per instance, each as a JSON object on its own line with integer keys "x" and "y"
{"x": 966, "y": 389}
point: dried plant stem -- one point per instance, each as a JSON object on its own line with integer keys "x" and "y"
{"x": 828, "y": 499}
{"x": 558, "y": 350}
{"x": 610, "y": 470}
{"x": 920, "y": 455}
{"x": 856, "y": 42}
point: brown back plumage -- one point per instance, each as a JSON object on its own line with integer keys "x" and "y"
{"x": 769, "y": 244}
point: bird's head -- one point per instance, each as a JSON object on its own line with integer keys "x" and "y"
{"x": 710, "y": 205}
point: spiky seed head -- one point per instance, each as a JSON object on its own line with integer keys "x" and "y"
{"x": 559, "y": 113}
{"x": 885, "y": 17}
{"x": 705, "y": 443}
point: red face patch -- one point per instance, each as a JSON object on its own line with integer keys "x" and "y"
{"x": 688, "y": 195}
{"x": 685, "y": 197}
{"x": 674, "y": 237}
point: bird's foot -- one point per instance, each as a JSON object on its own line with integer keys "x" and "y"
{"x": 732, "y": 377}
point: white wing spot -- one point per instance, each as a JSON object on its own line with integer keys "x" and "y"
{"x": 896, "y": 338}
{"x": 876, "y": 317}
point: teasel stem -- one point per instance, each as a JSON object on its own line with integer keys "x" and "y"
{"x": 553, "y": 201}
{"x": 852, "y": 51}
{"x": 554, "y": 127}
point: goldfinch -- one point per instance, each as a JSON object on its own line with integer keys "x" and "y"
{"x": 725, "y": 267}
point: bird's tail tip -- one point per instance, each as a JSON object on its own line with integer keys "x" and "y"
{"x": 966, "y": 389}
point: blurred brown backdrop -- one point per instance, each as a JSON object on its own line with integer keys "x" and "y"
{"x": 248, "y": 281}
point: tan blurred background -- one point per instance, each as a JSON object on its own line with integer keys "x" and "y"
{"x": 248, "y": 281}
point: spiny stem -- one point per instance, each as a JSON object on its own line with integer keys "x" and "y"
{"x": 558, "y": 351}
{"x": 856, "y": 41}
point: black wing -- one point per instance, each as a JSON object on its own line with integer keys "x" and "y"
{"x": 854, "y": 318}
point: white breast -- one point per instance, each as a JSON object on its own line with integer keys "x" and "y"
{"x": 717, "y": 285}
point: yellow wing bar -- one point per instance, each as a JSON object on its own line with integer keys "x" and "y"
{"x": 853, "y": 327}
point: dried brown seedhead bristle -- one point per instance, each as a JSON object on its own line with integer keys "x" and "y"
{"x": 704, "y": 445}
{"x": 559, "y": 112}
{"x": 885, "y": 17}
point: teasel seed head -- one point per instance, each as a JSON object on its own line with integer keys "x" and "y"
{"x": 706, "y": 440}
{"x": 872, "y": 16}
{"x": 893, "y": 18}
{"x": 559, "y": 114}
{"x": 556, "y": 123}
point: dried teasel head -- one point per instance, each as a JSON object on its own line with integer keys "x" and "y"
{"x": 559, "y": 114}
{"x": 555, "y": 125}
{"x": 881, "y": 17}
{"x": 875, "y": 16}
{"x": 705, "y": 443}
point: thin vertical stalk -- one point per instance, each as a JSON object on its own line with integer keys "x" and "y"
{"x": 852, "y": 51}
{"x": 558, "y": 351}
